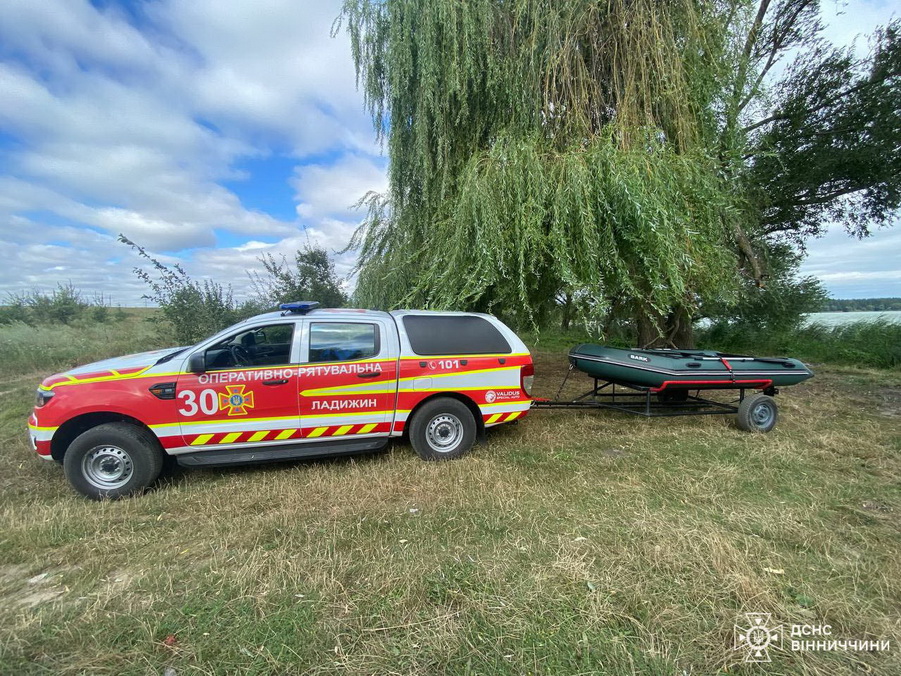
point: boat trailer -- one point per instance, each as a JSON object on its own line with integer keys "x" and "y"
{"x": 756, "y": 412}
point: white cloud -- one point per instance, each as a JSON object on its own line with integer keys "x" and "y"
{"x": 334, "y": 189}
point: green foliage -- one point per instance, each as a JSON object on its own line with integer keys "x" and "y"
{"x": 528, "y": 221}
{"x": 876, "y": 343}
{"x": 829, "y": 150}
{"x": 539, "y": 149}
{"x": 780, "y": 303}
{"x": 312, "y": 277}
{"x": 63, "y": 305}
{"x": 193, "y": 310}
{"x": 627, "y": 155}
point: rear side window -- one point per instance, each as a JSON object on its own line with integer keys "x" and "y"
{"x": 343, "y": 341}
{"x": 434, "y": 335}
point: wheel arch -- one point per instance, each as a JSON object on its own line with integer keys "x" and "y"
{"x": 72, "y": 428}
{"x": 462, "y": 398}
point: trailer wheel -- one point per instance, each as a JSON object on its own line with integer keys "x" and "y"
{"x": 443, "y": 429}
{"x": 757, "y": 413}
{"x": 113, "y": 461}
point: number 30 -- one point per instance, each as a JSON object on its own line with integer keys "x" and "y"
{"x": 207, "y": 401}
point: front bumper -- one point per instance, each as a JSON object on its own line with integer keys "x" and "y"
{"x": 39, "y": 437}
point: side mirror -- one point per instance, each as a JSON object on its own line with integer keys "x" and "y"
{"x": 197, "y": 363}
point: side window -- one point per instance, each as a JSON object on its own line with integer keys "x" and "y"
{"x": 260, "y": 346}
{"x": 454, "y": 334}
{"x": 343, "y": 341}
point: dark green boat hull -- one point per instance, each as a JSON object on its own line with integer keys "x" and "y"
{"x": 686, "y": 369}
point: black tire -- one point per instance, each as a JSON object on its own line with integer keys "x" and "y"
{"x": 757, "y": 413}
{"x": 443, "y": 429}
{"x": 113, "y": 461}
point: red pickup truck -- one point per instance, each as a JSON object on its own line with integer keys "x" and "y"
{"x": 297, "y": 383}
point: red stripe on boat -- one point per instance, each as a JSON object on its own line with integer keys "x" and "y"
{"x": 757, "y": 384}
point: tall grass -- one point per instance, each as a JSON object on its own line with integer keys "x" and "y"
{"x": 52, "y": 348}
{"x": 876, "y": 343}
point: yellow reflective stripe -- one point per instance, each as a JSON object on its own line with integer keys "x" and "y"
{"x": 366, "y": 429}
{"x": 318, "y": 432}
{"x": 258, "y": 436}
{"x": 513, "y": 416}
{"x": 74, "y": 380}
{"x": 459, "y": 374}
{"x": 439, "y": 357}
{"x": 344, "y": 429}
{"x": 228, "y": 438}
{"x": 349, "y": 389}
{"x": 493, "y": 418}
{"x": 42, "y": 429}
{"x": 202, "y": 439}
{"x": 284, "y": 434}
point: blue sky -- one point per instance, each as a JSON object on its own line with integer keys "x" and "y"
{"x": 213, "y": 132}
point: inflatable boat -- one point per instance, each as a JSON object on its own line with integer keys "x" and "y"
{"x": 669, "y": 370}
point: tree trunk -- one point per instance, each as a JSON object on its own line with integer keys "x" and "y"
{"x": 567, "y": 311}
{"x": 674, "y": 331}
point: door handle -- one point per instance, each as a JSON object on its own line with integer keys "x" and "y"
{"x": 275, "y": 382}
{"x": 370, "y": 374}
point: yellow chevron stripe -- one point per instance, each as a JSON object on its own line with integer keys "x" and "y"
{"x": 259, "y": 436}
{"x": 513, "y": 416}
{"x": 366, "y": 429}
{"x": 202, "y": 439}
{"x": 317, "y": 432}
{"x": 211, "y": 421}
{"x": 228, "y": 438}
{"x": 284, "y": 434}
{"x": 344, "y": 429}
{"x": 494, "y": 418}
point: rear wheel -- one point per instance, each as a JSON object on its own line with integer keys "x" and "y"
{"x": 113, "y": 461}
{"x": 757, "y": 413}
{"x": 443, "y": 429}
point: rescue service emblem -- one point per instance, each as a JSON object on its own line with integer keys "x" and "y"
{"x": 235, "y": 400}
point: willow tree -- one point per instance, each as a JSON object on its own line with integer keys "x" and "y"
{"x": 539, "y": 149}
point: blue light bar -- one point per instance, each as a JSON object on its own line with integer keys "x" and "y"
{"x": 299, "y": 307}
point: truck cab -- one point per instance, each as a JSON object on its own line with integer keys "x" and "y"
{"x": 298, "y": 382}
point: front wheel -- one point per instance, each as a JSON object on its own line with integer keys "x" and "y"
{"x": 443, "y": 429}
{"x": 113, "y": 461}
{"x": 757, "y": 413}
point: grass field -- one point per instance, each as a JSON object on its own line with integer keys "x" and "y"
{"x": 571, "y": 543}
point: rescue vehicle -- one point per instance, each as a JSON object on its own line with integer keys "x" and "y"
{"x": 296, "y": 383}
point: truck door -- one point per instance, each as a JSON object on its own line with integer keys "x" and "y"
{"x": 248, "y": 393}
{"x": 348, "y": 378}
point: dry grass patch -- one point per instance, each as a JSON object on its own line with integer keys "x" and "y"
{"x": 573, "y": 542}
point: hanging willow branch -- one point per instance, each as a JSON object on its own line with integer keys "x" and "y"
{"x": 537, "y": 147}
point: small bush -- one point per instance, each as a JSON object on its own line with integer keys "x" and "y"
{"x": 63, "y": 305}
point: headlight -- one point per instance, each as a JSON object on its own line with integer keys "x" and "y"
{"x": 43, "y": 396}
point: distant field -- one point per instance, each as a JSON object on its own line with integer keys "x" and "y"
{"x": 572, "y": 543}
